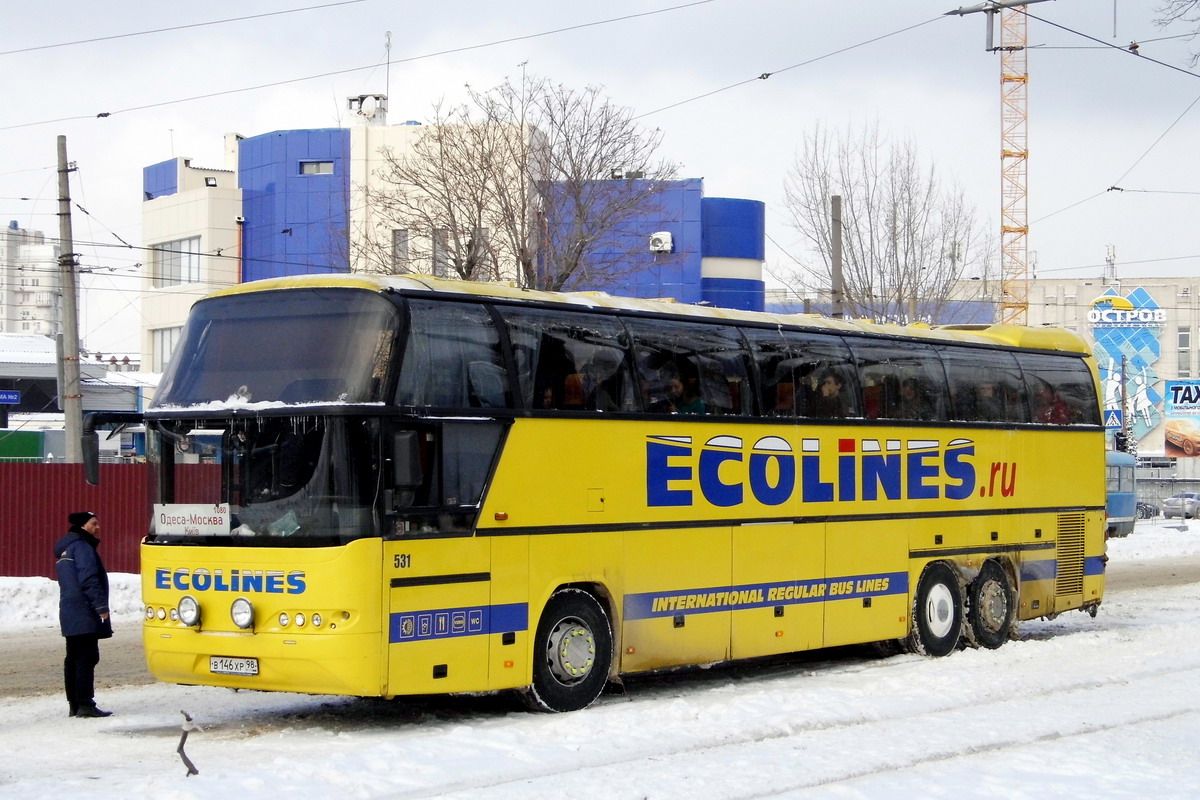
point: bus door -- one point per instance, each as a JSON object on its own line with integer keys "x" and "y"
{"x": 437, "y": 572}
{"x": 778, "y": 570}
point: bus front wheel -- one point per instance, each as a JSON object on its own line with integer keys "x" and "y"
{"x": 572, "y": 653}
{"x": 990, "y": 607}
{"x": 937, "y": 612}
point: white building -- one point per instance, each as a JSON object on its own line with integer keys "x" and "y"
{"x": 30, "y": 285}
{"x": 194, "y": 239}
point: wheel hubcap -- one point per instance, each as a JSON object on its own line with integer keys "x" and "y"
{"x": 993, "y": 606}
{"x": 939, "y": 610}
{"x": 571, "y": 651}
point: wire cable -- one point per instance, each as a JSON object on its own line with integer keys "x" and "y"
{"x": 765, "y": 75}
{"x": 466, "y": 48}
{"x": 177, "y": 28}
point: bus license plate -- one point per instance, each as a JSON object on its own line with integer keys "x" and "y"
{"x": 224, "y": 665}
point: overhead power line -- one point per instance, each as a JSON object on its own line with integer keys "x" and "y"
{"x": 465, "y": 48}
{"x": 1132, "y": 51}
{"x": 176, "y": 28}
{"x": 765, "y": 75}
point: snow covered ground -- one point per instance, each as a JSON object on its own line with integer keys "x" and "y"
{"x": 1108, "y": 707}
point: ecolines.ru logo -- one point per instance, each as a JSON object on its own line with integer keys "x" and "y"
{"x": 725, "y": 470}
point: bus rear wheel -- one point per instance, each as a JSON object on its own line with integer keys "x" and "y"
{"x": 937, "y": 612}
{"x": 991, "y": 607}
{"x": 572, "y": 653}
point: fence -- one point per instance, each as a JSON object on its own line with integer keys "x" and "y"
{"x": 36, "y": 499}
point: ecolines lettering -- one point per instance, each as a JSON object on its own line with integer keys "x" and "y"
{"x": 861, "y": 469}
{"x": 202, "y": 580}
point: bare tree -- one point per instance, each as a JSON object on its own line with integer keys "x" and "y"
{"x": 905, "y": 238}
{"x": 1186, "y": 11}
{"x": 434, "y": 211}
{"x": 518, "y": 182}
{"x": 597, "y": 172}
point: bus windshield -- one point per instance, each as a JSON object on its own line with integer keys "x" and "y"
{"x": 286, "y": 480}
{"x": 308, "y": 346}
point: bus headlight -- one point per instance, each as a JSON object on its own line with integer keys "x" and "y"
{"x": 189, "y": 610}
{"x": 242, "y": 613}
{"x": 284, "y": 619}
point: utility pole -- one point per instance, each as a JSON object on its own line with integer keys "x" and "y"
{"x": 72, "y": 399}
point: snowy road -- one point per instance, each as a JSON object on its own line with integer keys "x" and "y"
{"x": 28, "y": 651}
{"x": 1106, "y": 707}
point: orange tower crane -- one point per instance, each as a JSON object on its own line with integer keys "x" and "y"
{"x": 1014, "y": 162}
{"x": 1014, "y": 151}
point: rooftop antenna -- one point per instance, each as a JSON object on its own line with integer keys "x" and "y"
{"x": 387, "y": 75}
{"x": 1110, "y": 270}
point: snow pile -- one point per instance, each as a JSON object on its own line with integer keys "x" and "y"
{"x": 33, "y": 602}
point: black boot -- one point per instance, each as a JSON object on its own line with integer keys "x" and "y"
{"x": 91, "y": 711}
{"x": 74, "y": 710}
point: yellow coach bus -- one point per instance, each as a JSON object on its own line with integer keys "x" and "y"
{"x": 402, "y": 485}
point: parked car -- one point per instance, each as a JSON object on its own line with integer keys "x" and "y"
{"x": 1184, "y": 505}
{"x": 1146, "y": 510}
{"x": 1184, "y": 434}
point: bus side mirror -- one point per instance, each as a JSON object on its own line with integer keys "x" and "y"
{"x": 406, "y": 472}
{"x": 91, "y": 458}
{"x": 406, "y": 461}
{"x": 90, "y": 439}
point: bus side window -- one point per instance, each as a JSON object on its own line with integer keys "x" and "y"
{"x": 901, "y": 381}
{"x": 452, "y": 359}
{"x": 777, "y": 388}
{"x": 452, "y": 461}
{"x": 1061, "y": 389}
{"x": 570, "y": 361}
{"x": 691, "y": 368}
{"x": 985, "y": 385}
{"x": 814, "y": 359}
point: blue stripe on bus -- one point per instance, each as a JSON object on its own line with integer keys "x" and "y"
{"x": 1043, "y": 570}
{"x": 649, "y": 605}
{"x": 1047, "y": 569}
{"x": 451, "y": 623}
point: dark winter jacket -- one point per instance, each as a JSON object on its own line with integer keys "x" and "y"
{"x": 82, "y": 584}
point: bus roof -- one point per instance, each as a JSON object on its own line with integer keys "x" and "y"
{"x": 1007, "y": 335}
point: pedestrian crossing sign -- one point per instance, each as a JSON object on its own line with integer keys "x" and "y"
{"x": 1114, "y": 419}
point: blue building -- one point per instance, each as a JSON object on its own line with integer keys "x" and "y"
{"x": 284, "y": 205}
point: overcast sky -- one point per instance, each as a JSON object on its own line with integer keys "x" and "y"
{"x": 1098, "y": 116}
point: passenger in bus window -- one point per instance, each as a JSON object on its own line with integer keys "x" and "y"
{"x": 989, "y": 407}
{"x": 684, "y": 398}
{"x": 913, "y": 404}
{"x": 601, "y": 381}
{"x": 1048, "y": 406}
{"x": 829, "y": 402}
{"x": 785, "y": 399}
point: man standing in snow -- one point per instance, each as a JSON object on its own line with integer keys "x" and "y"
{"x": 82, "y": 610}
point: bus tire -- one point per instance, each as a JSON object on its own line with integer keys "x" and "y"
{"x": 991, "y": 607}
{"x": 572, "y": 653}
{"x": 937, "y": 612}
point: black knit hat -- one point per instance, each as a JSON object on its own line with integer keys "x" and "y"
{"x": 79, "y": 518}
